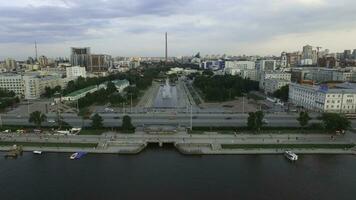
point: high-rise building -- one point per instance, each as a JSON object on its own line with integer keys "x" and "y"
{"x": 43, "y": 61}
{"x": 294, "y": 59}
{"x": 30, "y": 61}
{"x": 80, "y": 57}
{"x": 267, "y": 65}
{"x": 10, "y": 64}
{"x": 284, "y": 60}
{"x": 354, "y": 54}
{"x": 100, "y": 62}
{"x": 309, "y": 56}
{"x": 347, "y": 54}
{"x": 307, "y": 52}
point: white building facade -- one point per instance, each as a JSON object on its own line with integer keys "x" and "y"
{"x": 30, "y": 86}
{"x": 12, "y": 82}
{"x": 339, "y": 99}
{"x": 75, "y": 72}
{"x": 273, "y": 75}
{"x": 272, "y": 85}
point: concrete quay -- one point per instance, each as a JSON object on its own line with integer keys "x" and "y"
{"x": 199, "y": 144}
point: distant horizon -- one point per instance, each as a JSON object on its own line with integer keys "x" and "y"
{"x": 137, "y": 28}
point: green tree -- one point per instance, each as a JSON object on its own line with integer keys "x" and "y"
{"x": 208, "y": 72}
{"x": 255, "y": 120}
{"x": 303, "y": 119}
{"x": 110, "y": 88}
{"x": 116, "y": 99}
{"x": 282, "y": 93}
{"x": 97, "y": 121}
{"x": 335, "y": 122}
{"x": 37, "y": 118}
{"x": 126, "y": 124}
{"x": 251, "y": 121}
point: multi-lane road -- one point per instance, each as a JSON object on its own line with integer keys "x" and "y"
{"x": 173, "y": 119}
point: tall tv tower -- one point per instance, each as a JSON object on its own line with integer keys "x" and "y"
{"x": 166, "y": 47}
{"x": 36, "y": 50}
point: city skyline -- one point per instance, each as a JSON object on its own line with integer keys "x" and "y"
{"x": 137, "y": 28}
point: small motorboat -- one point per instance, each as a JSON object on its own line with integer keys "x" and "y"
{"x": 291, "y": 156}
{"x": 37, "y": 152}
{"x": 77, "y": 155}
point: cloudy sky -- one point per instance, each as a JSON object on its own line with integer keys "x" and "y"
{"x": 136, "y": 27}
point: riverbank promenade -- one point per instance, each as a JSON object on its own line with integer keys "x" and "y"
{"x": 204, "y": 143}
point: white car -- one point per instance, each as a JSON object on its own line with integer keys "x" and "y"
{"x": 265, "y": 121}
{"x": 51, "y": 121}
{"x": 109, "y": 110}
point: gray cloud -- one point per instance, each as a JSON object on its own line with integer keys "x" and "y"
{"x": 224, "y": 22}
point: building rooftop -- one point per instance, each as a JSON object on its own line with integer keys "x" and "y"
{"x": 332, "y": 88}
{"x": 75, "y": 93}
{"x": 120, "y": 82}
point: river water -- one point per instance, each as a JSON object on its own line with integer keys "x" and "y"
{"x": 166, "y": 174}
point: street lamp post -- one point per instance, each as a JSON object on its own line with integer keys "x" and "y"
{"x": 28, "y": 107}
{"x": 243, "y": 104}
{"x": 191, "y": 117}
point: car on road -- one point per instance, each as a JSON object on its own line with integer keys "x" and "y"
{"x": 6, "y": 131}
{"x": 194, "y": 117}
{"x": 37, "y": 130}
{"x": 228, "y": 118}
{"x": 20, "y": 131}
{"x": 265, "y": 121}
{"x": 116, "y": 117}
{"x": 109, "y": 110}
{"x": 18, "y": 116}
{"x": 51, "y": 121}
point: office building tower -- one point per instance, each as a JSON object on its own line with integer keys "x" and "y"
{"x": 80, "y": 57}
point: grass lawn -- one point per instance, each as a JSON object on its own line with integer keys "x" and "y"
{"x": 43, "y": 144}
{"x": 287, "y": 146}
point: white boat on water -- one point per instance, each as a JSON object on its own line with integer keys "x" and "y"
{"x": 291, "y": 156}
{"x": 37, "y": 152}
{"x": 77, "y": 155}
{"x": 73, "y": 156}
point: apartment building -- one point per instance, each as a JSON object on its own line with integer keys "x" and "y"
{"x": 272, "y": 85}
{"x": 273, "y": 75}
{"x": 12, "y": 82}
{"x": 339, "y": 98}
{"x": 30, "y": 86}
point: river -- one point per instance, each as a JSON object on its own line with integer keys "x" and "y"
{"x": 166, "y": 174}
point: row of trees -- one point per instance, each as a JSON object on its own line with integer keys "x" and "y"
{"x": 223, "y": 88}
{"x": 109, "y": 95}
{"x": 142, "y": 79}
{"x": 49, "y": 92}
{"x": 331, "y": 121}
{"x": 97, "y": 123}
{"x": 38, "y": 118}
